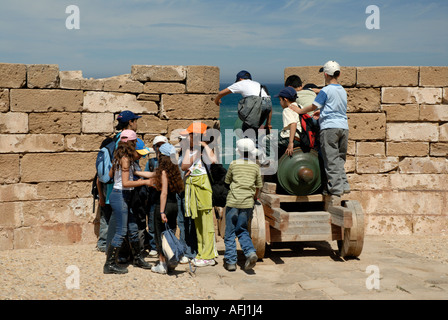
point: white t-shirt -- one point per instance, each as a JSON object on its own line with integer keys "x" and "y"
{"x": 198, "y": 167}
{"x": 247, "y": 88}
{"x": 289, "y": 116}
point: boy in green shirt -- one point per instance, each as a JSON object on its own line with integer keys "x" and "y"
{"x": 244, "y": 178}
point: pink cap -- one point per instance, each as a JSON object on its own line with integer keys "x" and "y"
{"x": 128, "y": 135}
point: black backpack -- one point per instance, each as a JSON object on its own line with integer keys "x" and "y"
{"x": 220, "y": 189}
{"x": 309, "y": 134}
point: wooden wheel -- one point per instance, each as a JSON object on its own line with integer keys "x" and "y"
{"x": 353, "y": 241}
{"x": 258, "y": 230}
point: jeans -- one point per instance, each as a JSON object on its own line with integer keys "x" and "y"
{"x": 125, "y": 220}
{"x": 237, "y": 226}
{"x": 105, "y": 213}
{"x": 187, "y": 229}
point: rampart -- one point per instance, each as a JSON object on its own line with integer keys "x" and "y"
{"x": 52, "y": 122}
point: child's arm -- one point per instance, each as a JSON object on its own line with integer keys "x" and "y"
{"x": 307, "y": 109}
{"x": 99, "y": 185}
{"x": 145, "y": 174}
{"x": 126, "y": 183}
{"x": 292, "y": 133}
{"x": 163, "y": 197}
{"x": 221, "y": 94}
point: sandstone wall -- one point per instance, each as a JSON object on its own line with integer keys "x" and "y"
{"x": 398, "y": 145}
{"x": 51, "y": 125}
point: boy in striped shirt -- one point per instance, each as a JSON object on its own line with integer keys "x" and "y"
{"x": 245, "y": 182}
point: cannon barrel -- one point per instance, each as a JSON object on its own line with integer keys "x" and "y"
{"x": 300, "y": 173}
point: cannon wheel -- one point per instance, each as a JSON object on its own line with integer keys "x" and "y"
{"x": 258, "y": 230}
{"x": 351, "y": 245}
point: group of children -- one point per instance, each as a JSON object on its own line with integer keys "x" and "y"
{"x": 182, "y": 191}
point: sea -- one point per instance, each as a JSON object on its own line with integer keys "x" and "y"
{"x": 228, "y": 114}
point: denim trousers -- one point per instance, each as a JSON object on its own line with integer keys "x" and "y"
{"x": 122, "y": 217}
{"x": 105, "y": 214}
{"x": 237, "y": 226}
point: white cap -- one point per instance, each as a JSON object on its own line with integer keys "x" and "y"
{"x": 330, "y": 67}
{"x": 160, "y": 139}
{"x": 246, "y": 145}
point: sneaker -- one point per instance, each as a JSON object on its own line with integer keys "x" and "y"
{"x": 251, "y": 261}
{"x": 153, "y": 253}
{"x": 184, "y": 260}
{"x": 203, "y": 262}
{"x": 160, "y": 268}
{"x": 230, "y": 266}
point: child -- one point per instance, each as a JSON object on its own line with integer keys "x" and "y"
{"x": 288, "y": 138}
{"x": 245, "y": 182}
{"x": 331, "y": 103}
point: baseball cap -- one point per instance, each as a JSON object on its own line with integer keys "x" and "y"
{"x": 141, "y": 148}
{"x": 288, "y": 92}
{"x": 246, "y": 145}
{"x": 127, "y": 116}
{"x": 243, "y": 74}
{"x": 128, "y": 135}
{"x": 167, "y": 149}
{"x": 330, "y": 67}
{"x": 195, "y": 127}
{"x": 159, "y": 139}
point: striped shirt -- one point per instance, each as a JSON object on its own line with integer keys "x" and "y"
{"x": 244, "y": 178}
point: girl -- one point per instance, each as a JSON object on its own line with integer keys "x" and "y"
{"x": 168, "y": 183}
{"x": 123, "y": 173}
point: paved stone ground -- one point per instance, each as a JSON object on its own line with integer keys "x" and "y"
{"x": 410, "y": 267}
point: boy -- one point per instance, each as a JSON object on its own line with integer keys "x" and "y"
{"x": 289, "y": 138}
{"x": 305, "y": 96}
{"x": 331, "y": 103}
{"x": 245, "y": 182}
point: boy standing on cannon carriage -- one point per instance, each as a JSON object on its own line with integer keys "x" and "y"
{"x": 245, "y": 182}
{"x": 331, "y": 103}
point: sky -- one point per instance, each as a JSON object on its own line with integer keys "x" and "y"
{"x": 263, "y": 37}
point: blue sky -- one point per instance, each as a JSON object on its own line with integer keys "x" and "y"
{"x": 263, "y": 37}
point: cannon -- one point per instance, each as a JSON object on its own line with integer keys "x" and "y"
{"x": 292, "y": 208}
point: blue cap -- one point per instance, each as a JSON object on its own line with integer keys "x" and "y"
{"x": 127, "y": 116}
{"x": 288, "y": 93}
{"x": 243, "y": 74}
{"x": 141, "y": 148}
{"x": 167, "y": 149}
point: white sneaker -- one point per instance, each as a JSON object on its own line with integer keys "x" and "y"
{"x": 204, "y": 262}
{"x": 184, "y": 260}
{"x": 153, "y": 253}
{"x": 160, "y": 268}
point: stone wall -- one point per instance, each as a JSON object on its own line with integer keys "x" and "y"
{"x": 51, "y": 125}
{"x": 398, "y": 145}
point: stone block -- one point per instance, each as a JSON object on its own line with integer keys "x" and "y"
{"x": 58, "y": 167}
{"x": 434, "y": 113}
{"x": 12, "y": 75}
{"x": 63, "y": 190}
{"x": 401, "y": 112}
{"x": 18, "y": 192}
{"x": 6, "y": 239}
{"x": 364, "y": 182}
{"x": 443, "y": 132}
{"x": 14, "y": 122}
{"x": 9, "y": 168}
{"x": 18, "y": 143}
{"x": 363, "y": 100}
{"x": 367, "y": 126}
{"x": 439, "y": 149}
{"x": 407, "y": 149}
{"x": 424, "y": 165}
{"x": 311, "y": 75}
{"x": 4, "y": 100}
{"x": 376, "y": 164}
{"x": 445, "y": 95}
{"x": 387, "y": 76}
{"x": 98, "y": 123}
{"x": 83, "y": 142}
{"x": 202, "y": 79}
{"x": 92, "y": 84}
{"x": 55, "y": 122}
{"x": 430, "y": 225}
{"x": 419, "y": 182}
{"x": 70, "y": 79}
{"x": 411, "y": 95}
{"x": 152, "y": 124}
{"x": 11, "y": 213}
{"x": 433, "y": 76}
{"x": 122, "y": 84}
{"x": 412, "y": 132}
{"x": 190, "y": 106}
{"x": 350, "y": 164}
{"x": 42, "y": 76}
{"x": 115, "y": 102}
{"x": 164, "y": 87}
{"x": 386, "y": 224}
{"x": 146, "y": 73}
{"x": 46, "y": 100}
{"x": 370, "y": 149}
{"x": 148, "y": 97}
{"x": 351, "y": 147}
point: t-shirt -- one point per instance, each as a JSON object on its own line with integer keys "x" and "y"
{"x": 289, "y": 116}
{"x": 305, "y": 98}
{"x": 244, "y": 178}
{"x": 332, "y": 102}
{"x": 198, "y": 167}
{"x": 247, "y": 88}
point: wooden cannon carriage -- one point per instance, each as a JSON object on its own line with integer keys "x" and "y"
{"x": 303, "y": 216}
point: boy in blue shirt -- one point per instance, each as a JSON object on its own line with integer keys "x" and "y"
{"x": 331, "y": 103}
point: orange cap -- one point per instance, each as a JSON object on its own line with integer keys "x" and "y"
{"x": 195, "y": 127}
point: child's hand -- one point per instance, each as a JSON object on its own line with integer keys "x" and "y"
{"x": 316, "y": 115}
{"x": 290, "y": 149}
{"x": 164, "y": 218}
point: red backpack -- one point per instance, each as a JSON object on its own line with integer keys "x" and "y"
{"x": 309, "y": 134}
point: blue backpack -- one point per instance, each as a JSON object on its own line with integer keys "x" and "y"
{"x": 104, "y": 160}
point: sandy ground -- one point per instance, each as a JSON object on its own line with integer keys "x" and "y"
{"x": 75, "y": 272}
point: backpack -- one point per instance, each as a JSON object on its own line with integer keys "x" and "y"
{"x": 104, "y": 159}
{"x": 309, "y": 133}
{"x": 253, "y": 110}
{"x": 173, "y": 249}
{"x": 220, "y": 189}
